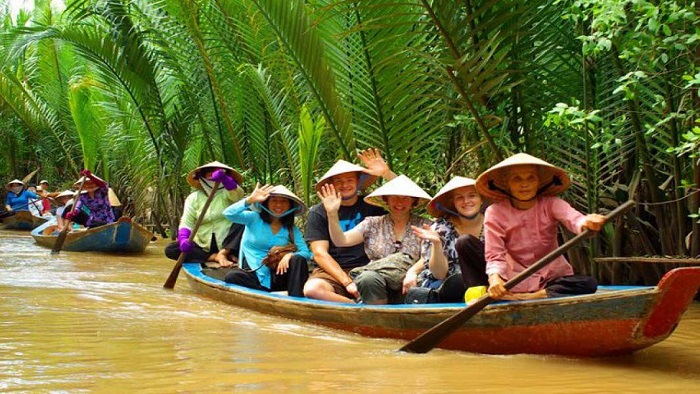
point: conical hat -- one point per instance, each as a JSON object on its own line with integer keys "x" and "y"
{"x": 488, "y": 183}
{"x": 43, "y": 181}
{"x": 7, "y": 185}
{"x": 399, "y": 186}
{"x": 192, "y": 180}
{"x": 113, "y": 199}
{"x": 443, "y": 196}
{"x": 66, "y": 193}
{"x": 87, "y": 180}
{"x": 344, "y": 167}
{"x": 282, "y": 191}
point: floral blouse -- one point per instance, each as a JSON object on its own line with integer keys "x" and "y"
{"x": 378, "y": 233}
{"x": 448, "y": 235}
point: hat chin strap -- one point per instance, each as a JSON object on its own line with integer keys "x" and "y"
{"x": 287, "y": 212}
{"x": 443, "y": 208}
{"x": 555, "y": 182}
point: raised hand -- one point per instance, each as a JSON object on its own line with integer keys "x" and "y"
{"x": 330, "y": 198}
{"x": 373, "y": 162}
{"x": 426, "y": 233}
{"x": 259, "y": 194}
{"x": 86, "y": 173}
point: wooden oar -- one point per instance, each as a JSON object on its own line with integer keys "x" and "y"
{"x": 29, "y": 176}
{"x": 172, "y": 278}
{"x": 62, "y": 235}
{"x": 431, "y": 338}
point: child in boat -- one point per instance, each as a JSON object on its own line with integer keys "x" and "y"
{"x": 63, "y": 200}
{"x": 521, "y": 227}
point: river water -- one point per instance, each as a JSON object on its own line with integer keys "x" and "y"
{"x": 83, "y": 323}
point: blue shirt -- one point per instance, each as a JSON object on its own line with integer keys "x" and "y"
{"x": 258, "y": 239}
{"x": 20, "y": 202}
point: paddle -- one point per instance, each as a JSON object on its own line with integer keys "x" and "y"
{"x": 170, "y": 282}
{"x": 62, "y": 235}
{"x": 431, "y": 338}
{"x": 29, "y": 176}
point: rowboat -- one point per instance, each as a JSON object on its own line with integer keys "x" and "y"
{"x": 22, "y": 220}
{"x": 122, "y": 236}
{"x": 616, "y": 320}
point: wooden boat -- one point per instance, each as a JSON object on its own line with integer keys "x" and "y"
{"x": 22, "y": 220}
{"x": 614, "y": 321}
{"x": 122, "y": 236}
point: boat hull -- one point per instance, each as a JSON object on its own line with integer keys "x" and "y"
{"x": 22, "y": 220}
{"x": 122, "y": 236}
{"x": 610, "y": 322}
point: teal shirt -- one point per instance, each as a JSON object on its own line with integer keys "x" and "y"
{"x": 258, "y": 239}
{"x": 214, "y": 221}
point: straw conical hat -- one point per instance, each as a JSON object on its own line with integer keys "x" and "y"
{"x": 493, "y": 179}
{"x": 443, "y": 196}
{"x": 66, "y": 193}
{"x": 344, "y": 167}
{"x": 399, "y": 186}
{"x": 43, "y": 181}
{"x": 87, "y": 180}
{"x": 7, "y": 185}
{"x": 113, "y": 199}
{"x": 192, "y": 180}
{"x": 282, "y": 191}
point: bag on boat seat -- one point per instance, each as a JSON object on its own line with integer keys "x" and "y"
{"x": 392, "y": 267}
{"x": 275, "y": 254}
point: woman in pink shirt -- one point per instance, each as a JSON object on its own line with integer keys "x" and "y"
{"x": 521, "y": 227}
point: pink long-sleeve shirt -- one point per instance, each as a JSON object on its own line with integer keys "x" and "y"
{"x": 515, "y": 239}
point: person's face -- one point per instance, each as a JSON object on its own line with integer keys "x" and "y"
{"x": 466, "y": 200}
{"x": 278, "y": 205}
{"x": 345, "y": 184}
{"x": 400, "y": 205}
{"x": 523, "y": 182}
{"x": 44, "y": 185}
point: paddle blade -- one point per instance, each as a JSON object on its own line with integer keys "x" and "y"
{"x": 172, "y": 278}
{"x": 431, "y": 338}
{"x": 59, "y": 242}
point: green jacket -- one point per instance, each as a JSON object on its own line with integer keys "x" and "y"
{"x": 214, "y": 222}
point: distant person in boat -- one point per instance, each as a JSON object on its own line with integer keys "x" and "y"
{"x": 330, "y": 281}
{"x": 62, "y": 200}
{"x": 268, "y": 215}
{"x": 92, "y": 208}
{"x": 20, "y": 199}
{"x": 45, "y": 203}
{"x": 390, "y": 244}
{"x": 35, "y": 205}
{"x": 521, "y": 227}
{"x": 216, "y": 243}
{"x": 453, "y": 246}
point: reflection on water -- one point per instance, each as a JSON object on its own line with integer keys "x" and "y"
{"x": 82, "y": 322}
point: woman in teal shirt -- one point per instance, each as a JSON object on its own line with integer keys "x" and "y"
{"x": 268, "y": 215}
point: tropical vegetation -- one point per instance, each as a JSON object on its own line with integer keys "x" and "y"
{"x": 142, "y": 91}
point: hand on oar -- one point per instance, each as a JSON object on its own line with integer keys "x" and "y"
{"x": 172, "y": 278}
{"x": 431, "y": 338}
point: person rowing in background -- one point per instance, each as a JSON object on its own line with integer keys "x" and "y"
{"x": 93, "y": 208}
{"x": 19, "y": 199}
